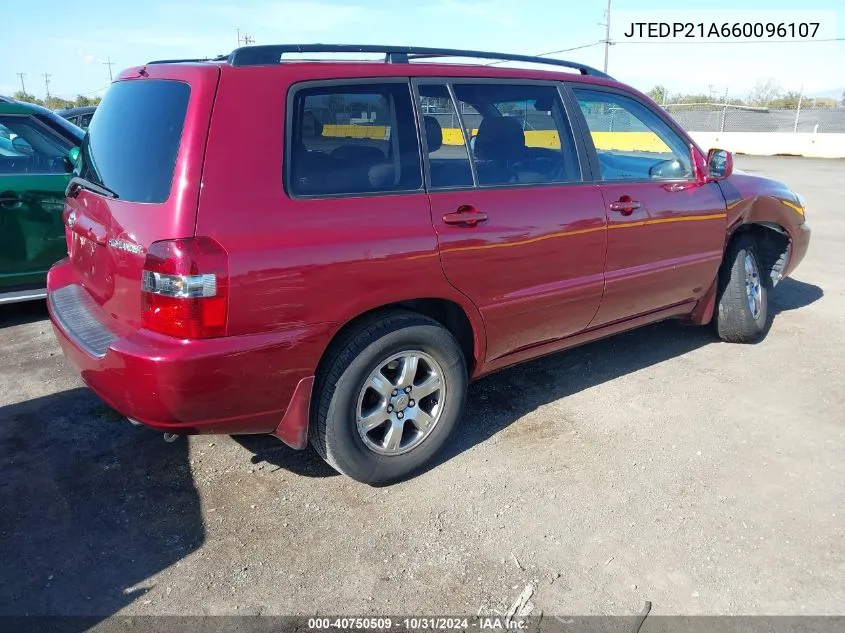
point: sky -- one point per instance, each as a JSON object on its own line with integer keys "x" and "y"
{"x": 42, "y": 36}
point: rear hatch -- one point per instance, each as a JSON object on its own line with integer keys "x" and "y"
{"x": 138, "y": 179}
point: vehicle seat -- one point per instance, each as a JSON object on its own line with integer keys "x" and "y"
{"x": 445, "y": 172}
{"x": 499, "y": 143}
{"x": 311, "y": 167}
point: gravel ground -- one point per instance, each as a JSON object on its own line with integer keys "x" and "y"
{"x": 659, "y": 465}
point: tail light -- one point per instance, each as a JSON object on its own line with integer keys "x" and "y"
{"x": 185, "y": 288}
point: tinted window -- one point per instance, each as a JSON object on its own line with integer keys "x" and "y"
{"x": 134, "y": 137}
{"x": 85, "y": 120}
{"x": 448, "y": 158}
{"x": 353, "y": 139}
{"x": 28, "y": 147}
{"x": 632, "y": 142}
{"x": 520, "y": 134}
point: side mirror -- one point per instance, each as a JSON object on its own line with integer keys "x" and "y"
{"x": 720, "y": 164}
{"x": 71, "y": 159}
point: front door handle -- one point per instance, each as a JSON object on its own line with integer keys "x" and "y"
{"x": 466, "y": 215}
{"x": 624, "y": 205}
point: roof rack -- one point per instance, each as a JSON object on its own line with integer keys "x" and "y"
{"x": 273, "y": 53}
{"x": 219, "y": 58}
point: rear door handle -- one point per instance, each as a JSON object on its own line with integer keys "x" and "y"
{"x": 466, "y": 216}
{"x": 625, "y": 207}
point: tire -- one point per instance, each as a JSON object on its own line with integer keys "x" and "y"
{"x": 382, "y": 348}
{"x": 736, "y": 321}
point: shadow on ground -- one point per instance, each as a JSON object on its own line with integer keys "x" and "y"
{"x": 498, "y": 400}
{"x": 91, "y": 507}
{"x": 21, "y": 313}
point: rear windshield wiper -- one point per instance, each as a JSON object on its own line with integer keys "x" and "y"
{"x": 77, "y": 182}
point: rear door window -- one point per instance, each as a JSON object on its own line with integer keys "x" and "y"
{"x": 519, "y": 133}
{"x": 353, "y": 139}
{"x": 133, "y": 140}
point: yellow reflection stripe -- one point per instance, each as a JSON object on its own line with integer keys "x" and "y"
{"x": 792, "y": 206}
{"x": 683, "y": 218}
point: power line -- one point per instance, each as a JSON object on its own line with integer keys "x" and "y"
{"x": 563, "y": 50}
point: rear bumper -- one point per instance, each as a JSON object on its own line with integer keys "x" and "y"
{"x": 800, "y": 241}
{"x": 229, "y": 385}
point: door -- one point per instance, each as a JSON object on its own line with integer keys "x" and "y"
{"x": 519, "y": 231}
{"x": 666, "y": 230}
{"x": 33, "y": 177}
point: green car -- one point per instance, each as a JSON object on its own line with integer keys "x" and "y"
{"x": 37, "y": 149}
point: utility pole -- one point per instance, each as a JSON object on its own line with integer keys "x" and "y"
{"x": 710, "y": 87}
{"x": 244, "y": 40}
{"x": 109, "y": 63}
{"x": 606, "y": 34}
{"x": 47, "y": 84}
{"x": 23, "y": 87}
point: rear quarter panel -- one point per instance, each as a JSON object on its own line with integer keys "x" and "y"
{"x": 306, "y": 261}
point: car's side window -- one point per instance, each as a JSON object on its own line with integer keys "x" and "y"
{"x": 354, "y": 139}
{"x": 520, "y": 133}
{"x": 448, "y": 156}
{"x": 27, "y": 147}
{"x": 85, "y": 120}
{"x": 631, "y": 141}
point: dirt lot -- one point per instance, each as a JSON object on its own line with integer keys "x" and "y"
{"x": 660, "y": 465}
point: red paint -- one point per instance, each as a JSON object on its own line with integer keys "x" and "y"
{"x": 293, "y": 429}
{"x": 535, "y": 269}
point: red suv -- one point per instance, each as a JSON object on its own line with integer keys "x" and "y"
{"x": 333, "y": 249}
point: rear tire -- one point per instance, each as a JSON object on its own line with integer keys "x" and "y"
{"x": 742, "y": 311}
{"x": 366, "y": 421}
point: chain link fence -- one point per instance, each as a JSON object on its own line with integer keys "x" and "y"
{"x": 732, "y": 118}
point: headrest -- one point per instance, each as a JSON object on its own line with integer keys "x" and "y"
{"x": 499, "y": 137}
{"x": 311, "y": 126}
{"x": 433, "y": 134}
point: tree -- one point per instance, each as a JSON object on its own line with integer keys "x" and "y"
{"x": 764, "y": 92}
{"x": 789, "y": 100}
{"x": 20, "y": 95}
{"x": 659, "y": 94}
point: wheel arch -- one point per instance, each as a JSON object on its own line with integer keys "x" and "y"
{"x": 773, "y": 244}
{"x": 464, "y": 324}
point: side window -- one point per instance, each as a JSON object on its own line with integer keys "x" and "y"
{"x": 520, "y": 133}
{"x": 85, "y": 120}
{"x": 631, "y": 141}
{"x": 448, "y": 158}
{"x": 27, "y": 147}
{"x": 353, "y": 139}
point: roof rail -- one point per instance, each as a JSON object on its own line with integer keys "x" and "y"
{"x": 273, "y": 53}
{"x": 219, "y": 58}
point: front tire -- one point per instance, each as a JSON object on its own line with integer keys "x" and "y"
{"x": 388, "y": 397}
{"x": 742, "y": 315}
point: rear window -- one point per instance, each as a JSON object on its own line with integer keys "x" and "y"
{"x": 134, "y": 137}
{"x": 354, "y": 140}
